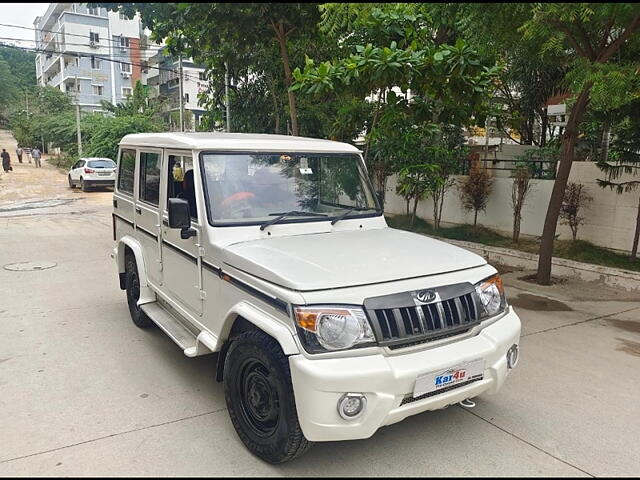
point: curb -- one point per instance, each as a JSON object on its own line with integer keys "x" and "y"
{"x": 561, "y": 267}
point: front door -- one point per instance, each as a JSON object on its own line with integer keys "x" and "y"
{"x": 146, "y": 216}
{"x": 181, "y": 274}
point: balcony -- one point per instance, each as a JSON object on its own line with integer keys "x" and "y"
{"x": 49, "y": 19}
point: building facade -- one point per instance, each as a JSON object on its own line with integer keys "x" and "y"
{"x": 92, "y": 53}
{"x": 163, "y": 79}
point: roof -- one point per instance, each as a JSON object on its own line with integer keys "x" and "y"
{"x": 237, "y": 142}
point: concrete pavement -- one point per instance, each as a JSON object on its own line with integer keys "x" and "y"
{"x": 84, "y": 392}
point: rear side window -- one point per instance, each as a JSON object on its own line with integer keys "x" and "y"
{"x": 101, "y": 164}
{"x": 127, "y": 167}
{"x": 150, "y": 177}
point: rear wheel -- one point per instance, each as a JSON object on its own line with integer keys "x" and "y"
{"x": 83, "y": 185}
{"x": 260, "y": 399}
{"x": 132, "y": 282}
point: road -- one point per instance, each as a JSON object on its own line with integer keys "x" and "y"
{"x": 83, "y": 392}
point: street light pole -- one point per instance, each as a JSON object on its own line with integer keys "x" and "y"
{"x": 26, "y": 96}
{"x": 78, "y": 119}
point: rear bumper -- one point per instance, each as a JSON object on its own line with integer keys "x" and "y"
{"x": 98, "y": 182}
{"x": 388, "y": 380}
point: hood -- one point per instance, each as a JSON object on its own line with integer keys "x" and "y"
{"x": 346, "y": 259}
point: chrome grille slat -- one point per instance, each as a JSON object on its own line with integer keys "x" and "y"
{"x": 403, "y": 321}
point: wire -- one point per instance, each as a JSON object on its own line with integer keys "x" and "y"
{"x": 89, "y": 55}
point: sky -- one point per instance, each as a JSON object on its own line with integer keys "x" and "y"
{"x": 22, "y": 14}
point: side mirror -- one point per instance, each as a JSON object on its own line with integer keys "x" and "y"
{"x": 179, "y": 217}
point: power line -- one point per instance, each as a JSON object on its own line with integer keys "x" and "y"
{"x": 89, "y": 55}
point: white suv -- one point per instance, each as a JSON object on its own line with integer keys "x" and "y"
{"x": 92, "y": 172}
{"x": 274, "y": 252}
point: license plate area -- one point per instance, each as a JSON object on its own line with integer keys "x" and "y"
{"x": 448, "y": 377}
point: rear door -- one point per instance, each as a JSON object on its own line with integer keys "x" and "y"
{"x": 123, "y": 193}
{"x": 77, "y": 168}
{"x": 146, "y": 216}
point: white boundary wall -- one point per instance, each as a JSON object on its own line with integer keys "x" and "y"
{"x": 609, "y": 219}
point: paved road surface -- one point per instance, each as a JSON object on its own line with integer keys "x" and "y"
{"x": 85, "y": 392}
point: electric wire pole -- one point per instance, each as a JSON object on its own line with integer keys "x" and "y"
{"x": 181, "y": 95}
{"x": 226, "y": 95}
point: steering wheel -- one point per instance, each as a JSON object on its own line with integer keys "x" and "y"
{"x": 237, "y": 204}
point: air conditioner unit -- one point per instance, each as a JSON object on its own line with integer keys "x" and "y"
{"x": 123, "y": 48}
{"x": 93, "y": 44}
{"x": 125, "y": 74}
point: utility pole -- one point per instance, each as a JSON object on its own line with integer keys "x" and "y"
{"x": 181, "y": 95}
{"x": 486, "y": 140}
{"x": 26, "y": 96}
{"x": 78, "y": 119}
{"x": 226, "y": 95}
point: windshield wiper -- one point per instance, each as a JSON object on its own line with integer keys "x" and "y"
{"x": 290, "y": 214}
{"x": 343, "y": 215}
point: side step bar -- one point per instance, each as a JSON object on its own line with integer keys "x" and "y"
{"x": 173, "y": 327}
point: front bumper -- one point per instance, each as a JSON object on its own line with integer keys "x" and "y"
{"x": 387, "y": 380}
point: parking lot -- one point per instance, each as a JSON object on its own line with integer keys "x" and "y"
{"x": 85, "y": 392}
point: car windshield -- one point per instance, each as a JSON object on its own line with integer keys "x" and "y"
{"x": 101, "y": 164}
{"x": 253, "y": 187}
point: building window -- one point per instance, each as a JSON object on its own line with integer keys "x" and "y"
{"x": 78, "y": 87}
{"x": 124, "y": 42}
{"x": 202, "y": 76}
{"x": 126, "y": 91}
{"x": 94, "y": 37}
{"x": 186, "y": 98}
{"x": 96, "y": 63}
{"x": 98, "y": 90}
{"x": 93, "y": 10}
{"x": 125, "y": 67}
{"x": 122, "y": 16}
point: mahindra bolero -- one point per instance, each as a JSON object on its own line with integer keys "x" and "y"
{"x": 273, "y": 252}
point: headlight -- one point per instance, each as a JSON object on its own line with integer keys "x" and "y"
{"x": 491, "y": 295}
{"x": 330, "y": 328}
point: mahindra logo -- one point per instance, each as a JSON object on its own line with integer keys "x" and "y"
{"x": 426, "y": 296}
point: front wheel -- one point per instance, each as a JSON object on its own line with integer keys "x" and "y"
{"x": 260, "y": 400}
{"x": 71, "y": 185}
{"x": 132, "y": 282}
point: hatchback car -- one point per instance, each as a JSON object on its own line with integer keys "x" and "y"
{"x": 92, "y": 172}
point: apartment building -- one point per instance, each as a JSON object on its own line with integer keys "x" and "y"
{"x": 92, "y": 53}
{"x": 163, "y": 78}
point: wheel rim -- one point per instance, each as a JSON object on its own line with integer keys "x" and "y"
{"x": 258, "y": 398}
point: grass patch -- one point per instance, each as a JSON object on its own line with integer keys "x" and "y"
{"x": 580, "y": 251}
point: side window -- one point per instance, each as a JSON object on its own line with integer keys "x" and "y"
{"x": 181, "y": 181}
{"x": 81, "y": 163}
{"x": 150, "y": 177}
{"x": 126, "y": 169}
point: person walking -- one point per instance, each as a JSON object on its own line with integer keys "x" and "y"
{"x": 35, "y": 153}
{"x": 19, "y": 153}
{"x": 27, "y": 152}
{"x": 6, "y": 161}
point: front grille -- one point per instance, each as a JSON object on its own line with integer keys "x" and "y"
{"x": 400, "y": 320}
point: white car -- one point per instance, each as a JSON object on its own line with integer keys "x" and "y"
{"x": 273, "y": 251}
{"x": 92, "y": 172}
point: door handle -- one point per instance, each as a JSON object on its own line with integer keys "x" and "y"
{"x": 115, "y": 203}
{"x": 139, "y": 210}
{"x": 165, "y": 222}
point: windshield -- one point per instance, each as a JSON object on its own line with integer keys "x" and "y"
{"x": 101, "y": 164}
{"x": 252, "y": 188}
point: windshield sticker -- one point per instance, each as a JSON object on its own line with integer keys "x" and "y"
{"x": 306, "y": 171}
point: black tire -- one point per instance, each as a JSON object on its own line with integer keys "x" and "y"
{"x": 84, "y": 186}
{"x": 71, "y": 185}
{"x": 132, "y": 282}
{"x": 260, "y": 400}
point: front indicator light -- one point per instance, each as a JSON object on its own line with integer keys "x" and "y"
{"x": 512, "y": 356}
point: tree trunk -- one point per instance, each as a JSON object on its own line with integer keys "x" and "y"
{"x": 475, "y": 219}
{"x": 557, "y": 194}
{"x": 415, "y": 207}
{"x": 408, "y": 202}
{"x": 604, "y": 144}
{"x": 634, "y": 249}
{"x": 288, "y": 79}
{"x": 373, "y": 124}
{"x": 516, "y": 227}
{"x": 543, "y": 129}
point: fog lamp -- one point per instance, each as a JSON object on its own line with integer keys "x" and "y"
{"x": 512, "y": 356}
{"x": 351, "y": 405}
